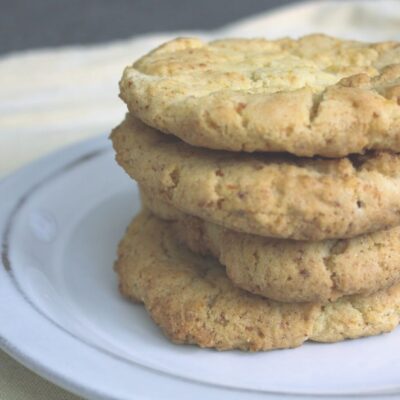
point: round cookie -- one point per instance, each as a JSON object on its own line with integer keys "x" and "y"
{"x": 193, "y": 301}
{"x": 317, "y": 95}
{"x": 270, "y": 195}
{"x": 287, "y": 270}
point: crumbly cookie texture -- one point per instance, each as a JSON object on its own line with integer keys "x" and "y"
{"x": 317, "y": 95}
{"x": 287, "y": 270}
{"x": 193, "y": 301}
{"x": 266, "y": 194}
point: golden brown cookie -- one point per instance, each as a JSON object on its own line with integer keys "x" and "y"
{"x": 317, "y": 95}
{"x": 288, "y": 270}
{"x": 193, "y": 301}
{"x": 266, "y": 194}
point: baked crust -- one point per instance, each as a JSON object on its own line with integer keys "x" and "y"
{"x": 317, "y": 95}
{"x": 269, "y": 195}
{"x": 287, "y": 270}
{"x": 193, "y": 301}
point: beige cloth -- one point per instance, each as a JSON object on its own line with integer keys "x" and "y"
{"x": 19, "y": 383}
{"x": 51, "y": 98}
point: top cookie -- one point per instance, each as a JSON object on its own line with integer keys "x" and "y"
{"x": 317, "y": 95}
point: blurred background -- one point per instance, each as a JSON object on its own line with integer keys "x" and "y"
{"x": 28, "y": 24}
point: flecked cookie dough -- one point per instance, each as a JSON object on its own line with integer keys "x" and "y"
{"x": 193, "y": 301}
{"x": 266, "y": 194}
{"x": 317, "y": 95}
{"x": 288, "y": 270}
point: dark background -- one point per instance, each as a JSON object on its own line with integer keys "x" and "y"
{"x": 46, "y": 23}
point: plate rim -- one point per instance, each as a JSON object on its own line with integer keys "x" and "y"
{"x": 11, "y": 343}
{"x": 37, "y": 172}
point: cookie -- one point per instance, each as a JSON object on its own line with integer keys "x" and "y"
{"x": 266, "y": 194}
{"x": 317, "y": 95}
{"x": 288, "y": 270}
{"x": 193, "y": 301}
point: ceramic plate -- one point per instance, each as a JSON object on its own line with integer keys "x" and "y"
{"x": 62, "y": 316}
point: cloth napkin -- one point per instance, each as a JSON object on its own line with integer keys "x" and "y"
{"x": 53, "y": 97}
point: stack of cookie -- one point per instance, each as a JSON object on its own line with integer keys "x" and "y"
{"x": 271, "y": 190}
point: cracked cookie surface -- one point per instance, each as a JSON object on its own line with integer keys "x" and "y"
{"x": 193, "y": 301}
{"x": 288, "y": 270}
{"x": 266, "y": 194}
{"x": 317, "y": 95}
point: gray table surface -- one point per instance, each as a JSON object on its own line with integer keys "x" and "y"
{"x": 26, "y": 24}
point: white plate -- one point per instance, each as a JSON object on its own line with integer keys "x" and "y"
{"x": 62, "y": 316}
